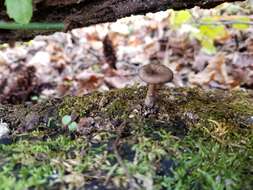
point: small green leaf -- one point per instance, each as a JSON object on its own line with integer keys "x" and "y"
{"x": 180, "y": 17}
{"x": 242, "y": 26}
{"x": 20, "y": 10}
{"x": 34, "y": 98}
{"x": 213, "y": 31}
{"x": 208, "y": 46}
{"x": 51, "y": 122}
{"x": 72, "y": 126}
{"x": 66, "y": 120}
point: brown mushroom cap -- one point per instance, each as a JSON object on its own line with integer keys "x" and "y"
{"x": 155, "y": 73}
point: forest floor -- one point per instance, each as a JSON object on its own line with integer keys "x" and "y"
{"x": 192, "y": 138}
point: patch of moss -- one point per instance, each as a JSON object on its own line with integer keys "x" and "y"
{"x": 191, "y": 140}
{"x": 80, "y": 105}
{"x": 116, "y": 108}
{"x": 28, "y": 164}
{"x": 96, "y": 101}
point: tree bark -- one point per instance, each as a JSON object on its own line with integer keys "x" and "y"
{"x": 80, "y": 13}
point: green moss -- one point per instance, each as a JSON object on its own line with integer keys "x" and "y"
{"x": 116, "y": 108}
{"x": 80, "y": 105}
{"x": 113, "y": 104}
{"x": 191, "y": 140}
{"x": 30, "y": 162}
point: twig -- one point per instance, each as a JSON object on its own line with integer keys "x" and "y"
{"x": 131, "y": 180}
{"x": 31, "y": 26}
{"x": 109, "y": 175}
{"x": 226, "y": 22}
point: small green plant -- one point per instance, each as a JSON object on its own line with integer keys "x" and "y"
{"x": 20, "y": 10}
{"x": 67, "y": 121}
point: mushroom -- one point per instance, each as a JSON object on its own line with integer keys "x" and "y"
{"x": 154, "y": 74}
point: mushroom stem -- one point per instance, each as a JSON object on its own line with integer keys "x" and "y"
{"x": 151, "y": 95}
{"x": 154, "y": 74}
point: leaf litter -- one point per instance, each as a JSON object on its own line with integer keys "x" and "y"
{"x": 107, "y": 56}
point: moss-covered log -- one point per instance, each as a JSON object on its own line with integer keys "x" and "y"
{"x": 80, "y": 13}
{"x": 191, "y": 139}
{"x": 190, "y": 106}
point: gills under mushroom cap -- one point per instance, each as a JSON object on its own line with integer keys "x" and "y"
{"x": 155, "y": 73}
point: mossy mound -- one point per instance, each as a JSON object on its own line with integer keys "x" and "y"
{"x": 191, "y": 139}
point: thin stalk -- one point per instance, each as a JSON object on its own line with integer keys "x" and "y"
{"x": 31, "y": 26}
{"x": 151, "y": 95}
{"x": 226, "y": 22}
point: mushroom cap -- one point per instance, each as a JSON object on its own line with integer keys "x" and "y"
{"x": 155, "y": 73}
